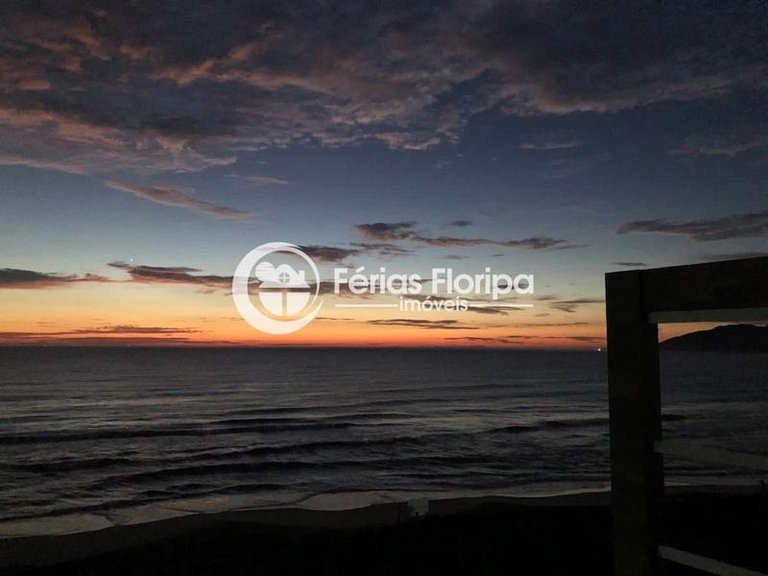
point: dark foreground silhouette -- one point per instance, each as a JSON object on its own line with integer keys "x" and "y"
{"x": 478, "y": 537}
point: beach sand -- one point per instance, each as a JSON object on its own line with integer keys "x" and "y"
{"x": 568, "y": 534}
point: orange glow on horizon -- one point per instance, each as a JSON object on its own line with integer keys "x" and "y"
{"x": 172, "y": 315}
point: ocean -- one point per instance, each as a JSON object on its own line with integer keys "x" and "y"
{"x": 91, "y": 437}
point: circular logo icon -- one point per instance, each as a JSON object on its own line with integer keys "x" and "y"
{"x": 286, "y": 301}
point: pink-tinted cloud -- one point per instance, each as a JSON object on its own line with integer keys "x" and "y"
{"x": 187, "y": 91}
{"x": 263, "y": 180}
{"x": 175, "y": 197}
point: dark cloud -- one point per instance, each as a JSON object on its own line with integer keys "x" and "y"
{"x": 121, "y": 335}
{"x": 172, "y": 275}
{"x": 174, "y": 197}
{"x": 593, "y": 339}
{"x": 94, "y": 86}
{"x": 338, "y": 255}
{"x": 533, "y": 243}
{"x": 561, "y": 57}
{"x": 105, "y": 330}
{"x": 520, "y": 338}
{"x": 489, "y": 339}
{"x": 330, "y": 254}
{"x": 387, "y": 232}
{"x": 571, "y": 305}
{"x": 476, "y": 338}
{"x": 383, "y": 248}
{"x": 550, "y": 143}
{"x": 546, "y": 297}
{"x": 406, "y": 231}
{"x": 739, "y": 226}
{"x": 577, "y": 338}
{"x": 630, "y": 264}
{"x": 14, "y": 278}
{"x": 481, "y": 339}
{"x": 131, "y": 329}
{"x": 16, "y": 336}
{"x": 42, "y": 338}
{"x": 547, "y": 324}
{"x": 731, "y": 256}
{"x": 490, "y": 310}
{"x": 428, "y": 324}
{"x": 459, "y": 223}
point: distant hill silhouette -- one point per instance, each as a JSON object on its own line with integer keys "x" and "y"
{"x": 735, "y": 338}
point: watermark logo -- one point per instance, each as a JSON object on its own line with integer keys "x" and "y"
{"x": 285, "y": 299}
{"x": 276, "y": 288}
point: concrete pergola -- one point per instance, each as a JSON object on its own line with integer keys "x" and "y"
{"x": 636, "y": 302}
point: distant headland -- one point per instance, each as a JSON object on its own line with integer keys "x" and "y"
{"x": 731, "y": 338}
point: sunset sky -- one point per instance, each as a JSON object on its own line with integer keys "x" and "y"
{"x": 146, "y": 147}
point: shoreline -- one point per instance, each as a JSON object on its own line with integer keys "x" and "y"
{"x": 48, "y": 550}
{"x": 91, "y": 521}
